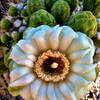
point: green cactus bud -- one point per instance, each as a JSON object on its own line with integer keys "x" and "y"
{"x": 5, "y": 24}
{"x": 49, "y": 4}
{"x": 93, "y": 6}
{"x": 33, "y": 6}
{"x": 42, "y": 17}
{"x": 23, "y": 12}
{"x": 73, "y": 4}
{"x": 3, "y": 68}
{"x": 88, "y": 5}
{"x": 17, "y": 36}
{"x": 61, "y": 11}
{"x": 27, "y": 19}
{"x": 12, "y": 11}
{"x": 84, "y": 22}
{"x": 5, "y": 38}
{"x": 6, "y": 58}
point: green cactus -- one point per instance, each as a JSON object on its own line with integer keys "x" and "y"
{"x": 3, "y": 68}
{"x": 23, "y": 12}
{"x": 5, "y": 38}
{"x": 6, "y": 58}
{"x": 61, "y": 11}
{"x": 73, "y": 4}
{"x": 27, "y": 19}
{"x": 84, "y": 22}
{"x": 93, "y": 6}
{"x": 49, "y": 4}
{"x": 5, "y": 24}
{"x": 33, "y": 6}
{"x": 12, "y": 11}
{"x": 42, "y": 17}
{"x": 17, "y": 36}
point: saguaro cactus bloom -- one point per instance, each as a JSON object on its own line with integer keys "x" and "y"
{"x": 52, "y": 63}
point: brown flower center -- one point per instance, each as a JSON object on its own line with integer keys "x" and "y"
{"x": 52, "y": 66}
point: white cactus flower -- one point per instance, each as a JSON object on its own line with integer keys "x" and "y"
{"x": 52, "y": 64}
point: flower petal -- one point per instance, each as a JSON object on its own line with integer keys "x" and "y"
{"x": 68, "y": 36}
{"x": 35, "y": 88}
{"x": 59, "y": 94}
{"x": 54, "y": 38}
{"x": 18, "y": 72}
{"x": 82, "y": 68}
{"x": 66, "y": 91}
{"x": 77, "y": 81}
{"x": 80, "y": 43}
{"x": 26, "y": 93}
{"x": 51, "y": 92}
{"x": 23, "y": 81}
{"x": 29, "y": 33}
{"x": 17, "y": 55}
{"x": 88, "y": 59}
{"x": 42, "y": 92}
{"x": 27, "y": 47}
{"x": 78, "y": 55}
{"x": 40, "y": 39}
{"x": 81, "y": 92}
{"x": 90, "y": 76}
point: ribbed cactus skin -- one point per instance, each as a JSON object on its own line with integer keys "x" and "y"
{"x": 84, "y": 22}
{"x": 42, "y": 17}
{"x": 34, "y": 5}
{"x": 49, "y": 4}
{"x": 73, "y": 4}
{"x": 92, "y": 5}
{"x": 61, "y": 11}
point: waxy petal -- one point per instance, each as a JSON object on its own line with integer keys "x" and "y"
{"x": 54, "y": 38}
{"x": 26, "y": 93}
{"x": 77, "y": 81}
{"x": 40, "y": 39}
{"x": 23, "y": 81}
{"x": 18, "y": 73}
{"x": 80, "y": 43}
{"x": 27, "y": 47}
{"x": 35, "y": 88}
{"x": 42, "y": 94}
{"x": 51, "y": 92}
{"x": 59, "y": 94}
{"x": 66, "y": 91}
{"x": 68, "y": 36}
{"x": 82, "y": 68}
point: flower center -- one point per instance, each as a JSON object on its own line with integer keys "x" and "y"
{"x": 52, "y": 66}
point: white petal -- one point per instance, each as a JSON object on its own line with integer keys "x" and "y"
{"x": 42, "y": 94}
{"x": 29, "y": 33}
{"x": 59, "y": 94}
{"x": 81, "y": 92}
{"x": 78, "y": 55}
{"x": 27, "y": 47}
{"x": 66, "y": 91}
{"x": 80, "y": 43}
{"x": 18, "y": 72}
{"x": 40, "y": 39}
{"x": 51, "y": 92}
{"x": 26, "y": 62}
{"x": 35, "y": 88}
{"x": 68, "y": 36}
{"x": 23, "y": 81}
{"x": 26, "y": 93}
{"x": 82, "y": 68}
{"x": 54, "y": 38}
{"x": 17, "y": 55}
{"x": 88, "y": 59}
{"x": 90, "y": 76}
{"x": 77, "y": 81}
